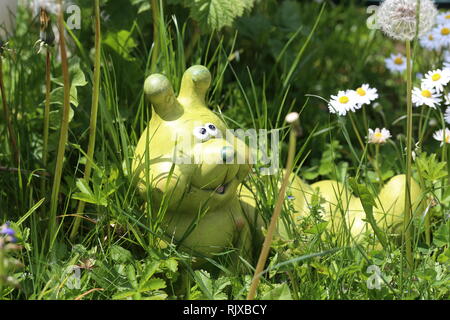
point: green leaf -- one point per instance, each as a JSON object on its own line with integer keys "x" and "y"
{"x": 368, "y": 202}
{"x": 280, "y": 292}
{"x": 150, "y": 270}
{"x": 290, "y": 17}
{"x": 124, "y": 295}
{"x": 120, "y": 255}
{"x": 431, "y": 169}
{"x": 122, "y": 43}
{"x": 152, "y": 285}
{"x": 216, "y": 14}
{"x": 318, "y": 228}
{"x": 442, "y": 236}
{"x": 131, "y": 275}
{"x": 78, "y": 77}
{"x": 57, "y": 96}
{"x": 444, "y": 257}
{"x": 427, "y": 274}
{"x": 55, "y": 118}
{"x": 87, "y": 195}
{"x": 84, "y": 197}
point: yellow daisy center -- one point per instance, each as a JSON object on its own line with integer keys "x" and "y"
{"x": 447, "y": 138}
{"x": 445, "y": 31}
{"x": 378, "y": 135}
{"x": 344, "y": 99}
{"x": 447, "y": 16}
{"x": 426, "y": 93}
{"x": 361, "y": 92}
{"x": 430, "y": 37}
{"x": 398, "y": 60}
{"x": 436, "y": 77}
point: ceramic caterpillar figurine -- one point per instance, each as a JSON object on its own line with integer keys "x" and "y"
{"x": 208, "y": 210}
{"x": 187, "y": 167}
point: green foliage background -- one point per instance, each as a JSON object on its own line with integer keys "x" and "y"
{"x": 267, "y": 59}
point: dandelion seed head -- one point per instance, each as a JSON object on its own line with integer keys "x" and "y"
{"x": 398, "y": 18}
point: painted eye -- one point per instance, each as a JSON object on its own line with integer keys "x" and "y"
{"x": 212, "y": 129}
{"x": 201, "y": 133}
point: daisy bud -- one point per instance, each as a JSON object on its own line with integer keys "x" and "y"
{"x": 378, "y": 136}
{"x": 398, "y": 18}
{"x": 292, "y": 119}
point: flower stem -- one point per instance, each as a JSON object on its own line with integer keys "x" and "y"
{"x": 276, "y": 213}
{"x": 12, "y": 136}
{"x": 377, "y": 164}
{"x": 156, "y": 40}
{"x": 408, "y": 210}
{"x": 46, "y": 118}
{"x": 64, "y": 131}
{"x": 356, "y": 132}
{"x": 93, "y": 119}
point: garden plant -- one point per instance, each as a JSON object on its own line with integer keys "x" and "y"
{"x": 224, "y": 150}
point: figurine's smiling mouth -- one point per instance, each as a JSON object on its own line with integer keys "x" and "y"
{"x": 220, "y": 190}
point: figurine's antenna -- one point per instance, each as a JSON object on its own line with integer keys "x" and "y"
{"x": 194, "y": 85}
{"x": 159, "y": 92}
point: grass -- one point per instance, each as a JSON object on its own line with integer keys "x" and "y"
{"x": 260, "y": 74}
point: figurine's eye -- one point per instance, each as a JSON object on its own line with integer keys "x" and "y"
{"x": 212, "y": 129}
{"x": 201, "y": 133}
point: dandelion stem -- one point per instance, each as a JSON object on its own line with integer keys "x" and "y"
{"x": 46, "y": 117}
{"x": 156, "y": 26}
{"x": 408, "y": 209}
{"x": 63, "y": 137}
{"x": 94, "y": 111}
{"x": 276, "y": 213}
{"x": 12, "y": 136}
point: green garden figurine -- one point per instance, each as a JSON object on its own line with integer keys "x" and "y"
{"x": 194, "y": 177}
{"x": 184, "y": 158}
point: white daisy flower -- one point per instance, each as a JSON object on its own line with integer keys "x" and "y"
{"x": 447, "y": 99}
{"x": 446, "y": 56}
{"x": 437, "y": 79}
{"x": 425, "y": 96}
{"x": 447, "y": 115}
{"x": 431, "y": 41}
{"x": 365, "y": 94}
{"x": 342, "y": 103}
{"x": 396, "y": 62}
{"x": 442, "y": 34}
{"x": 378, "y": 136}
{"x": 443, "y": 18}
{"x": 443, "y": 136}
